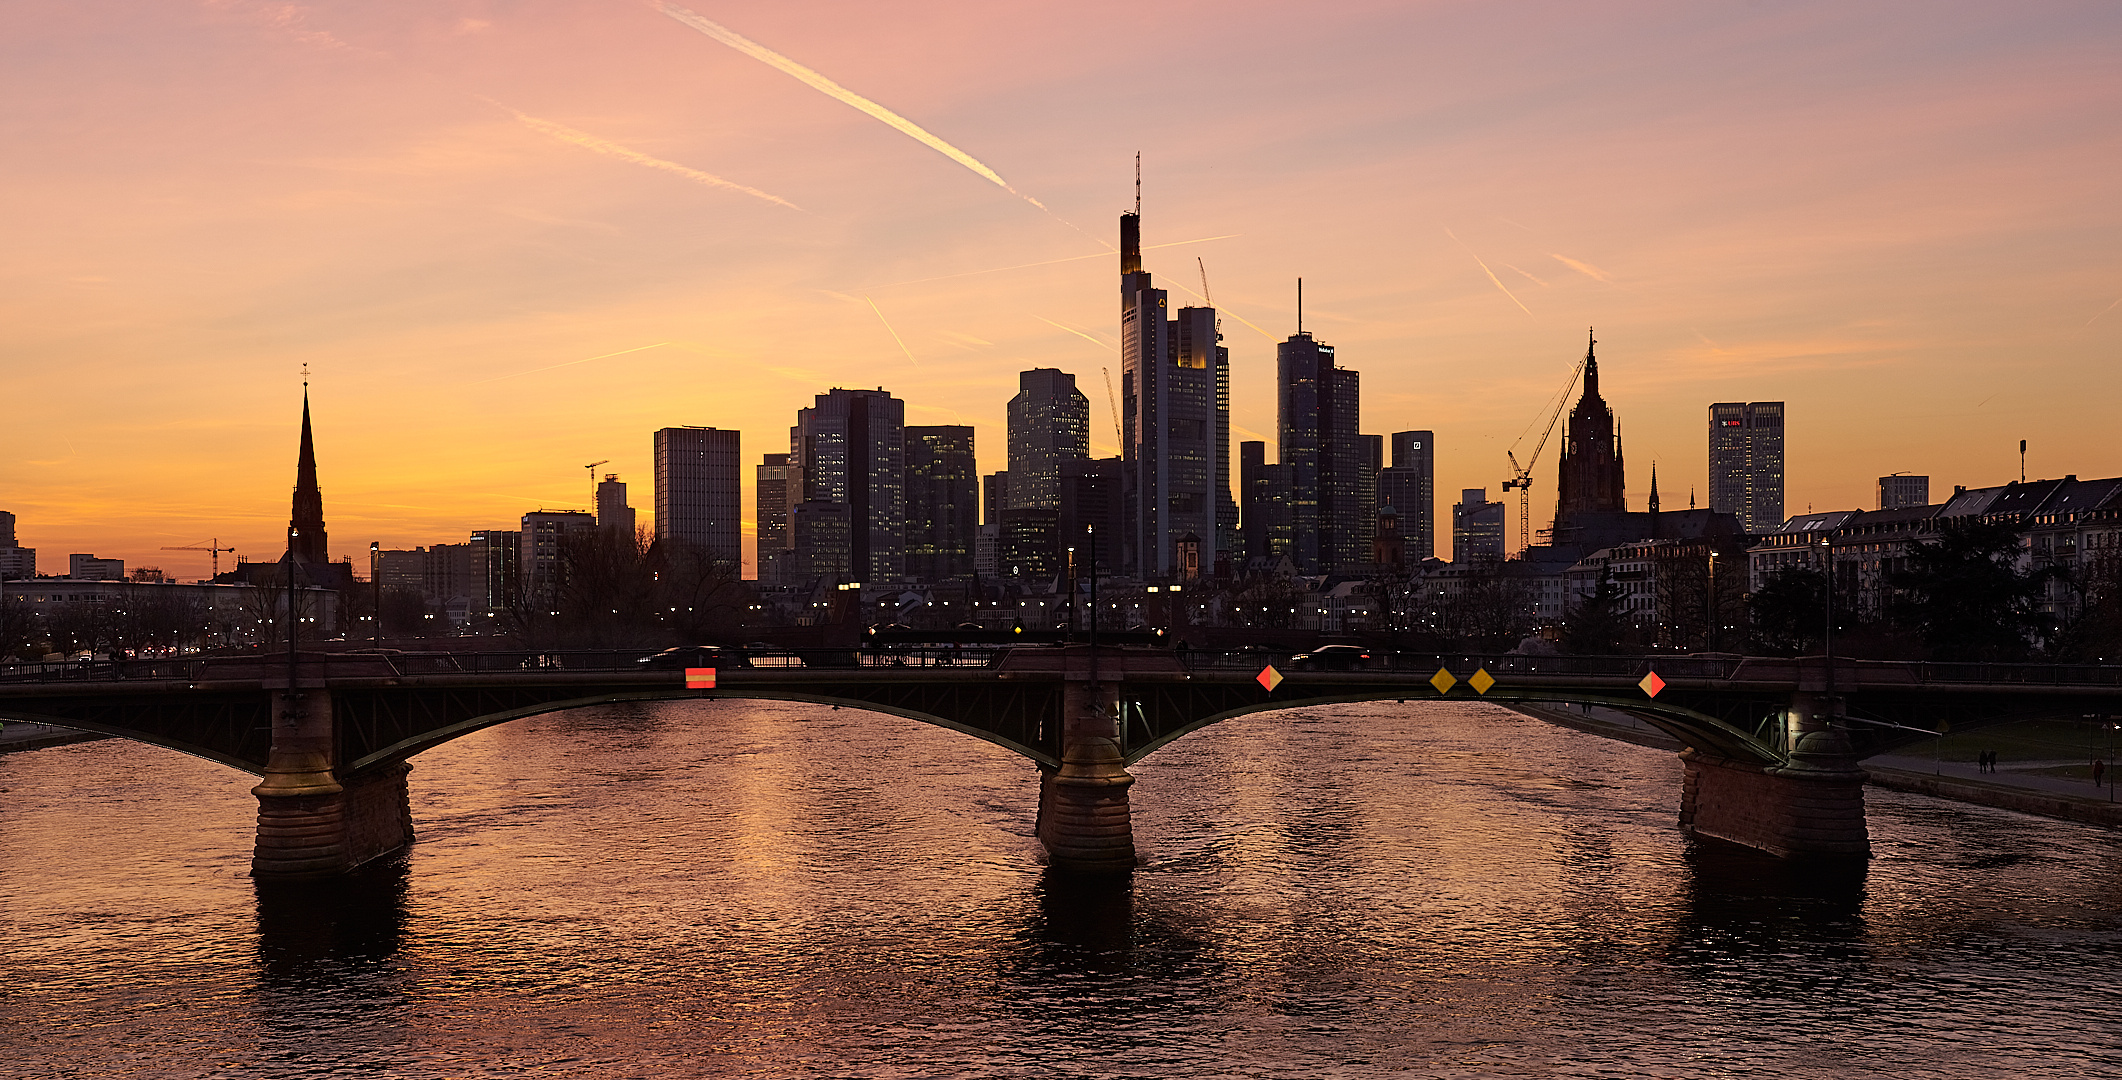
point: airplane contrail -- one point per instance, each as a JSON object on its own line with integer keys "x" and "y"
{"x": 1491, "y": 273}
{"x": 2105, "y": 310}
{"x": 611, "y": 149}
{"x": 1050, "y": 262}
{"x": 894, "y": 333}
{"x": 840, "y": 93}
{"x": 1072, "y": 330}
{"x": 1585, "y": 268}
{"x": 572, "y": 363}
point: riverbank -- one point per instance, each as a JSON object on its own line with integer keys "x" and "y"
{"x": 2026, "y": 792}
{"x": 18, "y": 735}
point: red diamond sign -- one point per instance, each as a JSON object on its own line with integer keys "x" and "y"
{"x": 1651, "y": 684}
{"x": 1269, "y": 678}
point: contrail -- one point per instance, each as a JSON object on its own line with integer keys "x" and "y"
{"x": 1225, "y": 311}
{"x": 1050, "y": 262}
{"x": 1585, "y": 268}
{"x": 845, "y": 96}
{"x": 1072, "y": 330}
{"x": 1528, "y": 277}
{"x": 1491, "y": 273}
{"x": 2105, "y": 310}
{"x": 894, "y": 333}
{"x": 572, "y": 363}
{"x": 611, "y": 149}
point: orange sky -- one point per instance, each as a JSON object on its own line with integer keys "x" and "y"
{"x": 1900, "y": 219}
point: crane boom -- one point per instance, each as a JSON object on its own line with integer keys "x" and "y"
{"x": 592, "y": 467}
{"x": 1522, "y": 475}
{"x": 1113, "y": 400}
{"x": 213, "y": 546}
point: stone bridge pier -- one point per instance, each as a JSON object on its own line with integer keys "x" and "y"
{"x": 1084, "y": 821}
{"x": 313, "y": 823}
{"x": 1811, "y": 806}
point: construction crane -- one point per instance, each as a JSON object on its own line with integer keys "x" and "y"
{"x": 1205, "y": 301}
{"x": 592, "y": 467}
{"x": 213, "y": 546}
{"x": 1522, "y": 475}
{"x": 1112, "y": 400}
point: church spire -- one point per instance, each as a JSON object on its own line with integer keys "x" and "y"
{"x": 1591, "y": 365}
{"x": 1653, "y": 487}
{"x": 307, "y": 519}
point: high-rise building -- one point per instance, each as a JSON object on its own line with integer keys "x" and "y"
{"x": 1325, "y": 451}
{"x": 1090, "y": 506}
{"x": 697, "y": 490}
{"x": 1409, "y": 487}
{"x": 1477, "y": 528}
{"x": 772, "y": 497}
{"x": 1174, "y": 419}
{"x": 1269, "y": 522}
{"x": 1049, "y": 425}
{"x": 16, "y": 563}
{"x": 848, "y": 449}
{"x": 994, "y": 497}
{"x": 942, "y": 502}
{"x": 495, "y": 585}
{"x": 91, "y": 568}
{"x": 613, "y": 515}
{"x": 1589, "y": 478}
{"x": 541, "y": 554}
{"x": 1900, "y": 491}
{"x": 1746, "y": 462}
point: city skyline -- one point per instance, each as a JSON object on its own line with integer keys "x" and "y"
{"x": 1892, "y": 219}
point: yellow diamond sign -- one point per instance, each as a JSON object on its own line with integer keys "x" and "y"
{"x": 1481, "y": 681}
{"x": 1443, "y": 681}
{"x": 1269, "y": 678}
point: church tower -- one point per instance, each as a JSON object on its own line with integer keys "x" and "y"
{"x": 1589, "y": 478}
{"x": 307, "y": 521}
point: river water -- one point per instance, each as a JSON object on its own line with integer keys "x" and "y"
{"x": 778, "y": 890}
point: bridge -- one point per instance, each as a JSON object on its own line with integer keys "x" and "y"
{"x": 1771, "y": 754}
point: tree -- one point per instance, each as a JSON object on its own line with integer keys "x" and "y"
{"x": 2093, "y": 632}
{"x": 1965, "y": 596}
{"x": 1788, "y": 613}
{"x": 1596, "y": 625}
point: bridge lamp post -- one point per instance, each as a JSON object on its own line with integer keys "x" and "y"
{"x": 1827, "y": 642}
{"x": 375, "y": 580}
{"x": 1709, "y": 632}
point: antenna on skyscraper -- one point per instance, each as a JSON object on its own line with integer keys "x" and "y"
{"x": 1300, "y": 305}
{"x": 1138, "y": 183}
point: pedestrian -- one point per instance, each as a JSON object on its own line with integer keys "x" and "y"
{"x": 2099, "y": 770}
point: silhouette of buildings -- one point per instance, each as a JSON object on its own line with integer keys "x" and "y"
{"x": 1899, "y": 492}
{"x": 541, "y": 553}
{"x": 1589, "y": 478}
{"x": 697, "y": 489}
{"x": 1049, "y": 425}
{"x": 1409, "y": 486}
{"x": 772, "y": 498}
{"x": 1477, "y": 528}
{"x": 1331, "y": 471}
{"x": 613, "y": 515}
{"x": 1174, "y": 419}
{"x": 1746, "y": 462}
{"x": 15, "y": 562}
{"x": 942, "y": 502}
{"x": 847, "y": 460}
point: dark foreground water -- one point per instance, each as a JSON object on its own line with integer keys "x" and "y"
{"x": 759, "y": 889}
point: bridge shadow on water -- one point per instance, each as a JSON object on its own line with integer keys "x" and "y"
{"x": 308, "y": 930}
{"x": 1744, "y": 909}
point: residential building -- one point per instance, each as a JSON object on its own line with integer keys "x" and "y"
{"x": 541, "y": 554}
{"x": 91, "y": 568}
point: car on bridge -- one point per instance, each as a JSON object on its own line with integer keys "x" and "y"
{"x": 1332, "y": 658}
{"x": 695, "y": 656}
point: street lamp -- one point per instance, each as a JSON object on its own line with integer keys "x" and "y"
{"x": 1827, "y": 642}
{"x": 375, "y": 580}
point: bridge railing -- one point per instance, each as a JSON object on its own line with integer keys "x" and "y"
{"x": 395, "y": 663}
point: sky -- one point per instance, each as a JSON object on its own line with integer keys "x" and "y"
{"x": 511, "y": 239}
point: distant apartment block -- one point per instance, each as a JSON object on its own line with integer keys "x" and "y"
{"x": 1477, "y": 527}
{"x": 1900, "y": 491}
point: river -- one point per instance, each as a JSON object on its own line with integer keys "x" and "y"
{"x": 760, "y": 889}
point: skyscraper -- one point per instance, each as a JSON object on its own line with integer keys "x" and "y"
{"x": 1589, "y": 478}
{"x": 849, "y": 450}
{"x": 1266, "y": 491}
{"x": 1900, "y": 491}
{"x": 1175, "y": 422}
{"x": 697, "y": 490}
{"x": 613, "y": 515}
{"x": 942, "y": 502}
{"x": 1318, "y": 415}
{"x": 1409, "y": 486}
{"x": 771, "y": 496}
{"x": 1746, "y": 462}
{"x": 1049, "y": 424}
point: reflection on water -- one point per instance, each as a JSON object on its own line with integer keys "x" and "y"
{"x": 763, "y": 889}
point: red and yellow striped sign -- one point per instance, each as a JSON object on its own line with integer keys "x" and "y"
{"x": 699, "y": 678}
